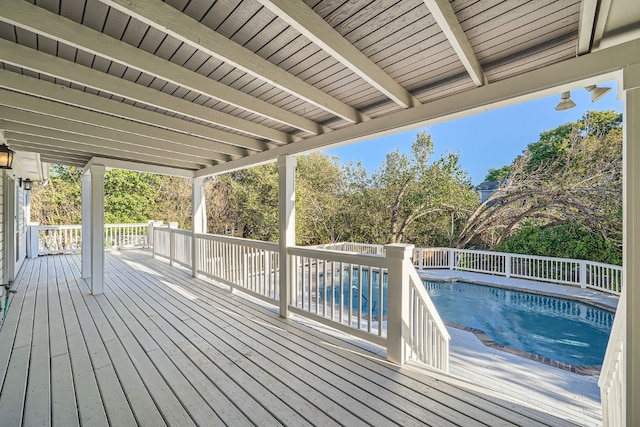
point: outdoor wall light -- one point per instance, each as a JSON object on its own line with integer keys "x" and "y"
{"x": 565, "y": 102}
{"x": 6, "y": 157}
{"x": 28, "y": 184}
{"x": 597, "y": 92}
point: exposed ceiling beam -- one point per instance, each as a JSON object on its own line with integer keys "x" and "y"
{"x": 55, "y": 92}
{"x": 24, "y": 57}
{"x": 588, "y": 9}
{"x": 193, "y": 145}
{"x": 70, "y": 143}
{"x": 581, "y": 71}
{"x": 108, "y": 136}
{"x": 308, "y": 23}
{"x": 446, "y": 19}
{"x": 165, "y": 18}
{"x": 601, "y": 22}
{"x": 66, "y": 162}
{"x": 138, "y": 167}
{"x": 39, "y": 20}
{"x": 26, "y": 146}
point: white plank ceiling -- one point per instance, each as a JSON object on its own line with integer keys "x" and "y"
{"x": 204, "y": 85}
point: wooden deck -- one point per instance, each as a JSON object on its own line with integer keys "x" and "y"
{"x": 161, "y": 348}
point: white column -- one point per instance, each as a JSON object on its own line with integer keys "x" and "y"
{"x": 198, "y": 220}
{"x": 85, "y": 231}
{"x": 399, "y": 256}
{"x": 97, "y": 229}
{"x": 286, "y": 227}
{"x": 631, "y": 239}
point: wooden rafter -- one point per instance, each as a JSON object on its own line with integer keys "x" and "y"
{"x": 301, "y": 17}
{"x": 25, "y": 15}
{"x": 109, "y": 136}
{"x": 165, "y": 18}
{"x": 588, "y": 10}
{"x": 39, "y": 62}
{"x": 445, "y": 16}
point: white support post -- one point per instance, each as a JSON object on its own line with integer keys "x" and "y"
{"x": 85, "y": 232}
{"x": 583, "y": 274}
{"x": 286, "y": 227}
{"x": 34, "y": 240}
{"x": 452, "y": 258}
{"x": 398, "y": 303}
{"x": 198, "y": 220}
{"x": 97, "y": 228}
{"x": 507, "y": 265}
{"x": 631, "y": 242}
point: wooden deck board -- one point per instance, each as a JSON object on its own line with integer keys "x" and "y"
{"x": 143, "y": 353}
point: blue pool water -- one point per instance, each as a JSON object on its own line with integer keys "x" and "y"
{"x": 567, "y": 331}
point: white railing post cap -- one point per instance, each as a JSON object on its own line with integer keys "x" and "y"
{"x": 398, "y": 250}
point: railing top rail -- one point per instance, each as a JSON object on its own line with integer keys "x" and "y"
{"x": 602, "y": 264}
{"x": 545, "y": 258}
{"x": 133, "y": 224}
{"x": 258, "y": 244}
{"x": 59, "y": 227}
{"x": 474, "y": 251}
{"x": 340, "y": 256}
{"x": 181, "y": 231}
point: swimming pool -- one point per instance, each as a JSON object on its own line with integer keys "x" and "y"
{"x": 566, "y": 331}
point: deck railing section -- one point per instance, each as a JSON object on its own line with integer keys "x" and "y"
{"x": 612, "y": 374}
{"x": 60, "y": 239}
{"x": 575, "y": 272}
{"x": 345, "y": 288}
{"x": 429, "y": 340}
{"x": 249, "y": 265}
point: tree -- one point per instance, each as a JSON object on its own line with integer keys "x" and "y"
{"x": 409, "y": 189}
{"x": 572, "y": 175}
{"x": 498, "y": 174}
{"x": 58, "y": 202}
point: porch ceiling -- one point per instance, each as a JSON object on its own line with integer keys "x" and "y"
{"x": 209, "y": 86}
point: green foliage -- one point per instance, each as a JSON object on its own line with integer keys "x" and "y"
{"x": 564, "y": 241}
{"x": 130, "y": 197}
{"x": 58, "y": 202}
{"x": 498, "y": 174}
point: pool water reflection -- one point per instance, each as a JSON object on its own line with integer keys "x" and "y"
{"x": 566, "y": 331}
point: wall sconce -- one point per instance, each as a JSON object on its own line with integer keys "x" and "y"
{"x": 28, "y": 184}
{"x": 6, "y": 157}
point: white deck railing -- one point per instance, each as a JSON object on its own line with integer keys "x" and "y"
{"x": 613, "y": 372}
{"x": 249, "y": 265}
{"x": 429, "y": 337}
{"x": 347, "y": 291}
{"x": 345, "y": 288}
{"x": 60, "y": 239}
{"x": 575, "y": 272}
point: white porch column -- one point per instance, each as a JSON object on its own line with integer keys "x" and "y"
{"x": 97, "y": 228}
{"x": 85, "y": 232}
{"x": 198, "y": 220}
{"x": 631, "y": 238}
{"x": 286, "y": 226}
{"x": 398, "y": 301}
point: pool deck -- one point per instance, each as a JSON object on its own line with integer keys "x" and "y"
{"x": 563, "y": 291}
{"x": 557, "y": 390}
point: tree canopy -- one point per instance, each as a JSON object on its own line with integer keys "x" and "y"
{"x": 571, "y": 176}
{"x": 560, "y": 197}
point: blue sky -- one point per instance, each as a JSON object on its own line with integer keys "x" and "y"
{"x": 487, "y": 140}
